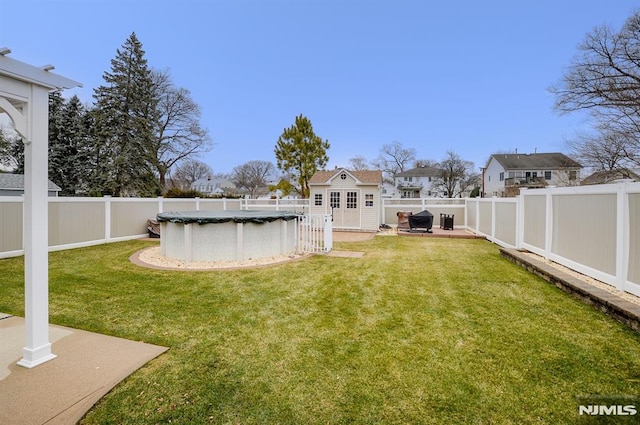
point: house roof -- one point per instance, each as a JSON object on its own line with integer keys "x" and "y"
{"x": 602, "y": 177}
{"x": 215, "y": 182}
{"x": 535, "y": 161}
{"x": 420, "y": 172}
{"x": 10, "y": 181}
{"x": 362, "y": 176}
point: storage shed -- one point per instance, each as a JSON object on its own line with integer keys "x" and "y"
{"x": 352, "y": 197}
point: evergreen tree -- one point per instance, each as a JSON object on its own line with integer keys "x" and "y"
{"x": 125, "y": 117}
{"x": 67, "y": 143}
{"x": 301, "y": 152}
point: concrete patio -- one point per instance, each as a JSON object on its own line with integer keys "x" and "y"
{"x": 62, "y": 390}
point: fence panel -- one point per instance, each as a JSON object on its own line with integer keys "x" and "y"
{"x": 296, "y": 205}
{"x": 534, "y": 222}
{"x": 11, "y": 224}
{"x": 470, "y": 213}
{"x": 315, "y": 233}
{"x": 485, "y": 220}
{"x": 74, "y": 220}
{"x": 436, "y": 206}
{"x": 584, "y": 230}
{"x": 129, "y": 216}
{"x": 633, "y": 275}
{"x": 506, "y": 217}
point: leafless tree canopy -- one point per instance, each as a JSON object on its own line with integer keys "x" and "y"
{"x": 456, "y": 176}
{"x": 394, "y": 158}
{"x": 604, "y": 79}
{"x": 254, "y": 176}
{"x": 179, "y": 134}
{"x": 358, "y": 163}
{"x": 189, "y": 171}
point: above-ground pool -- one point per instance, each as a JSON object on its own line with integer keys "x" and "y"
{"x": 232, "y": 235}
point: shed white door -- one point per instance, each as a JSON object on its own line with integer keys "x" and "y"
{"x": 345, "y": 207}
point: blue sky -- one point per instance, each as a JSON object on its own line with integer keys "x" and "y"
{"x": 466, "y": 76}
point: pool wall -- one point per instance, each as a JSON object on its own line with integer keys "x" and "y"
{"x": 228, "y": 241}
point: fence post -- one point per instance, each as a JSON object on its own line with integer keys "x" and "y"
{"x": 197, "y": 203}
{"x": 160, "y": 204}
{"x": 328, "y": 233}
{"x": 477, "y": 229}
{"x": 622, "y": 235}
{"x": 107, "y": 218}
{"x": 520, "y": 219}
{"x": 548, "y": 230}
{"x": 493, "y": 218}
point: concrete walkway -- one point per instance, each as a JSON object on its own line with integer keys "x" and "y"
{"x": 62, "y": 390}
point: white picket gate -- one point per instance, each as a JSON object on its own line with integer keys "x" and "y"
{"x": 315, "y": 233}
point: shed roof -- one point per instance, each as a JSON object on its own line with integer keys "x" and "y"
{"x": 540, "y": 161}
{"x": 10, "y": 181}
{"x": 362, "y": 176}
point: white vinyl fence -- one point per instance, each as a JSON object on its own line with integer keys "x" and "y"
{"x": 315, "y": 233}
{"x": 436, "y": 206}
{"x": 594, "y": 230}
{"x": 79, "y": 222}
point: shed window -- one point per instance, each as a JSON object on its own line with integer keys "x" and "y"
{"x": 368, "y": 199}
{"x": 318, "y": 199}
{"x": 352, "y": 200}
{"x": 334, "y": 199}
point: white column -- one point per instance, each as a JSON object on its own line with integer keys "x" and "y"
{"x": 37, "y": 348}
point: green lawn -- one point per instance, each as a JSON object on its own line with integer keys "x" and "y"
{"x": 419, "y": 330}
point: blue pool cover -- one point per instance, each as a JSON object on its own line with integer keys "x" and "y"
{"x": 237, "y": 216}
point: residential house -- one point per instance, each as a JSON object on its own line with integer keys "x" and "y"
{"x": 611, "y": 176}
{"x": 505, "y": 174}
{"x": 214, "y": 187}
{"x": 416, "y": 182}
{"x": 352, "y": 197}
{"x": 13, "y": 185}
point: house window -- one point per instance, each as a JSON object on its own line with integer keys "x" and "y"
{"x": 547, "y": 175}
{"x": 368, "y": 199}
{"x": 343, "y": 176}
{"x": 573, "y": 175}
{"x": 352, "y": 200}
{"x": 334, "y": 199}
{"x": 318, "y": 199}
{"x": 502, "y": 176}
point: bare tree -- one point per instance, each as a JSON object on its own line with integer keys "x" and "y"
{"x": 456, "y": 176}
{"x": 358, "y": 163}
{"x": 601, "y": 151}
{"x": 604, "y": 79}
{"x": 178, "y": 134}
{"x": 394, "y": 158}
{"x": 189, "y": 171}
{"x": 254, "y": 176}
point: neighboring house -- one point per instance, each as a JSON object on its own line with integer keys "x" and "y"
{"x": 352, "y": 197}
{"x": 417, "y": 182}
{"x": 214, "y": 187}
{"x": 505, "y": 174}
{"x": 611, "y": 176}
{"x": 13, "y": 185}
